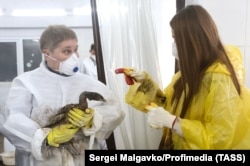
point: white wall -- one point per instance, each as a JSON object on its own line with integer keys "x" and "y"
{"x": 233, "y": 21}
{"x": 84, "y": 34}
{"x": 34, "y": 22}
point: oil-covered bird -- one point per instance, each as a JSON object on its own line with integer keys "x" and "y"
{"x": 74, "y": 146}
{"x": 61, "y": 116}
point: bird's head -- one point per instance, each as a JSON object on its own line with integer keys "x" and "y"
{"x": 91, "y": 96}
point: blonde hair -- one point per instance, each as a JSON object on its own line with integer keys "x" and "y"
{"x": 55, "y": 34}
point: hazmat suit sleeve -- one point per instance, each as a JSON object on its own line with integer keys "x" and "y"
{"x": 216, "y": 128}
{"x": 19, "y": 128}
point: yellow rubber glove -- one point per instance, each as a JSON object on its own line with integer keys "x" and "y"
{"x": 81, "y": 118}
{"x": 61, "y": 134}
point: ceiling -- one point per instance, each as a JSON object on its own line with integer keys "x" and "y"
{"x": 37, "y": 16}
{"x": 38, "y": 4}
{"x": 7, "y": 6}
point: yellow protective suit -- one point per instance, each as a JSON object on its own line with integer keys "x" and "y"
{"x": 217, "y": 118}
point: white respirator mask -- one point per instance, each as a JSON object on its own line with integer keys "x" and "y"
{"x": 174, "y": 51}
{"x": 69, "y": 66}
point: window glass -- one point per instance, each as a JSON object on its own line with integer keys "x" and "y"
{"x": 8, "y": 61}
{"x": 32, "y": 56}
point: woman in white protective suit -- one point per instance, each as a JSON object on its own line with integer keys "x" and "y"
{"x": 37, "y": 95}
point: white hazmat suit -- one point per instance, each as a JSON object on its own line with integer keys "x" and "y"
{"x": 89, "y": 66}
{"x": 37, "y": 95}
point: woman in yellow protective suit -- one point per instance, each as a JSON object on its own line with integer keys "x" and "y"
{"x": 206, "y": 105}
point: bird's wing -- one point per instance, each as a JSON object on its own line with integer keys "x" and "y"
{"x": 60, "y": 116}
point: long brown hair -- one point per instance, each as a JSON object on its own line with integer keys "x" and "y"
{"x": 199, "y": 46}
